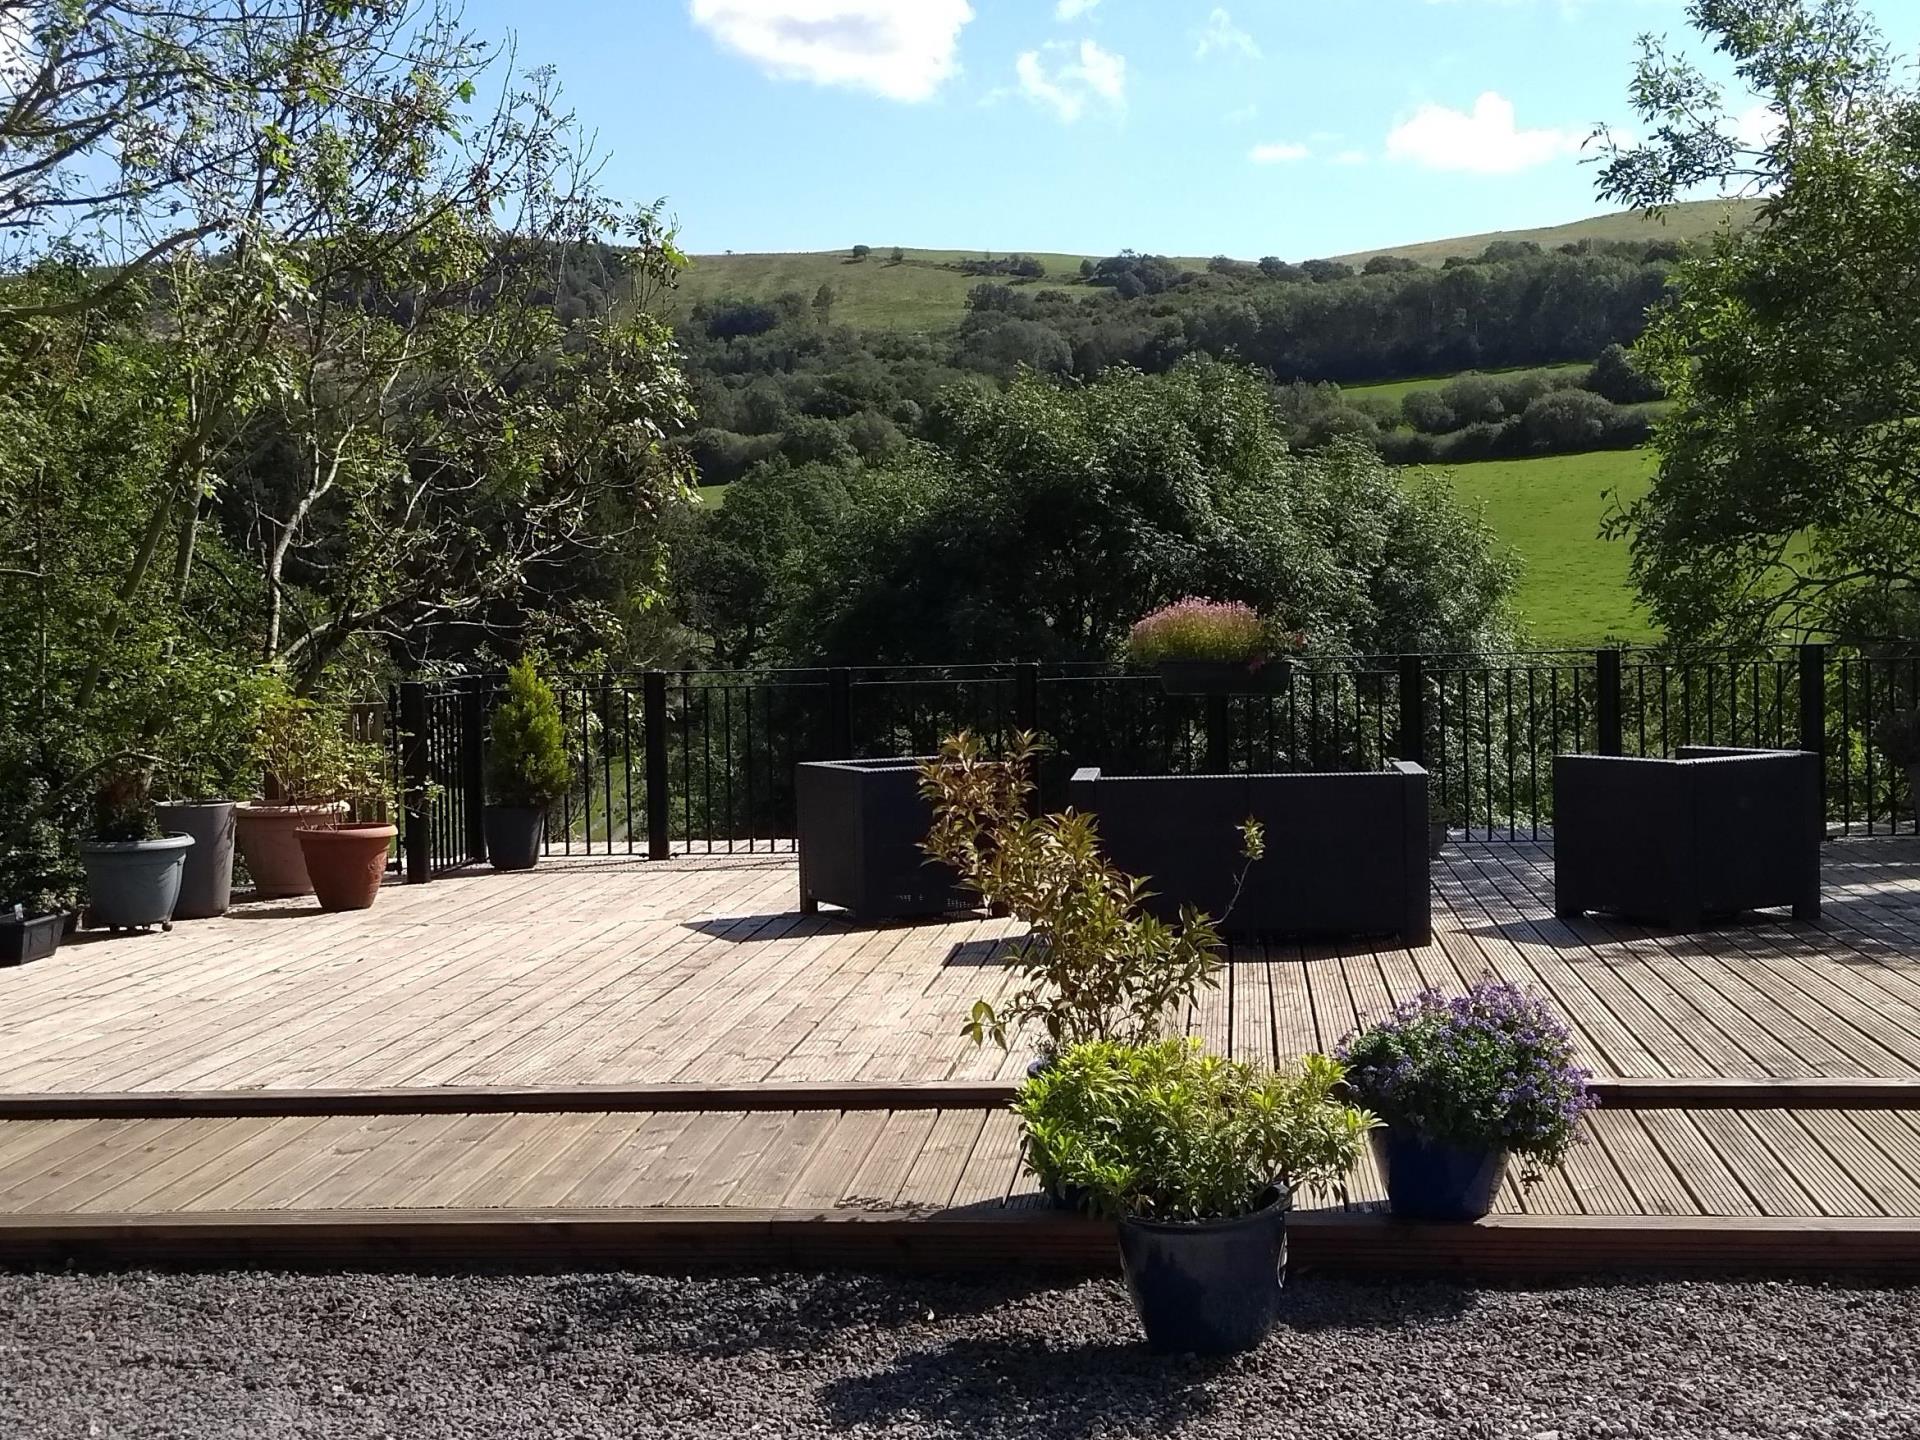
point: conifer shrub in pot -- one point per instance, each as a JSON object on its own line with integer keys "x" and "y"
{"x": 1898, "y": 736}
{"x": 1211, "y": 647}
{"x": 133, "y": 870}
{"x": 527, "y": 768}
{"x": 1198, "y": 1159}
{"x": 1460, "y": 1085}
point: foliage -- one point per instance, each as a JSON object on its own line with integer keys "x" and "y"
{"x": 1898, "y": 736}
{"x": 1167, "y": 1132}
{"x": 1197, "y": 629}
{"x": 1095, "y": 967}
{"x": 310, "y": 759}
{"x": 123, "y": 805}
{"x": 527, "y": 763}
{"x": 1492, "y": 1068}
{"x": 1788, "y": 493}
{"x": 39, "y": 872}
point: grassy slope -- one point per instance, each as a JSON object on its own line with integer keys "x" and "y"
{"x": 1394, "y": 391}
{"x": 1574, "y": 589}
{"x": 919, "y": 295}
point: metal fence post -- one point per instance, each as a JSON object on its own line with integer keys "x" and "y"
{"x": 416, "y": 841}
{"x": 1026, "y": 695}
{"x": 473, "y": 769}
{"x": 1606, "y": 703}
{"x": 653, "y": 720}
{"x": 839, "y": 713}
{"x": 1219, "y": 734}
{"x": 1413, "y": 710}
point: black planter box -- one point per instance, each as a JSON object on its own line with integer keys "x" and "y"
{"x": 1346, "y": 853}
{"x": 1223, "y": 677}
{"x": 858, "y": 825}
{"x": 35, "y": 939}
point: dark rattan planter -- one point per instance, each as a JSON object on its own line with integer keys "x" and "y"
{"x": 1711, "y": 832}
{"x": 23, "y": 941}
{"x": 858, "y": 826}
{"x": 1223, "y": 677}
{"x": 1346, "y": 853}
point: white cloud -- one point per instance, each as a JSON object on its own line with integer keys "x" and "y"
{"x": 1483, "y": 141}
{"x": 1278, "y": 152}
{"x": 900, "y": 49}
{"x": 1220, "y": 35}
{"x": 1072, "y": 9}
{"x": 1350, "y": 157}
{"x": 1067, "y": 89}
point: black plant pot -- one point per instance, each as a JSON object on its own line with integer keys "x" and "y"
{"x": 1209, "y": 1287}
{"x": 514, "y": 834}
{"x": 1223, "y": 677}
{"x": 32, "y": 939}
{"x": 1430, "y": 1181}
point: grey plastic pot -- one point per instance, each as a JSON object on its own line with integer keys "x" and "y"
{"x": 206, "y": 885}
{"x": 1207, "y": 1287}
{"x": 513, "y": 835}
{"x": 132, "y": 884}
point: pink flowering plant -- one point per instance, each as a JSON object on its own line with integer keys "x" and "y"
{"x": 1197, "y": 629}
{"x": 1492, "y": 1069}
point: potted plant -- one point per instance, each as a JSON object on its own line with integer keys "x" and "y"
{"x": 1461, "y": 1085}
{"x": 527, "y": 769}
{"x": 346, "y": 859}
{"x": 133, "y": 870}
{"x": 1199, "y": 1159}
{"x": 210, "y": 738}
{"x": 1211, "y": 647}
{"x": 1898, "y": 736}
{"x": 39, "y": 886}
{"x": 1442, "y": 817}
{"x": 294, "y": 747}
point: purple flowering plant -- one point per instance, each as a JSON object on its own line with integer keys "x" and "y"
{"x": 1493, "y": 1068}
{"x": 1200, "y": 629}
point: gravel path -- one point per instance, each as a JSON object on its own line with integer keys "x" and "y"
{"x": 420, "y": 1358}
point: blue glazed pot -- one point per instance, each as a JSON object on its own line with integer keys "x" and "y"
{"x": 1433, "y": 1181}
{"x": 1208, "y": 1287}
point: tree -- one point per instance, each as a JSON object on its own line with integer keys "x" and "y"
{"x": 1788, "y": 492}
{"x": 823, "y": 299}
{"x": 861, "y": 252}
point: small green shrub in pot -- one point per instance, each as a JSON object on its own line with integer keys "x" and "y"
{"x": 528, "y": 768}
{"x": 1461, "y": 1083}
{"x": 1198, "y": 1158}
{"x": 314, "y": 773}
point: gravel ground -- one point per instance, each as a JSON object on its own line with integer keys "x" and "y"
{"x": 421, "y": 1357}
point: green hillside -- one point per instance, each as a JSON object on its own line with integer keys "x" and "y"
{"x": 1574, "y": 590}
{"x": 921, "y": 293}
{"x": 1394, "y": 391}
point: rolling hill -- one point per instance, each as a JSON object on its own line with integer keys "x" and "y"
{"x": 924, "y": 290}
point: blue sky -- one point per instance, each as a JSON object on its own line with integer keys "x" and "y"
{"x": 1254, "y": 127}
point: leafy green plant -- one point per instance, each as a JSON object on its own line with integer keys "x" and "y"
{"x": 310, "y": 759}
{"x": 527, "y": 763}
{"x": 1096, "y": 967}
{"x": 123, "y": 805}
{"x": 1493, "y": 1068}
{"x": 1898, "y": 736}
{"x": 1168, "y": 1132}
{"x": 207, "y": 727}
{"x": 39, "y": 873}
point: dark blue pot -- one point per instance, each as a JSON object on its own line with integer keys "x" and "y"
{"x": 1431, "y": 1181}
{"x": 1208, "y": 1287}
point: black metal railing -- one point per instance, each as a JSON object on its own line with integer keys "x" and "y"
{"x": 665, "y": 762}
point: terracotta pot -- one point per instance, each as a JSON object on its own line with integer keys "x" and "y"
{"x": 265, "y": 834}
{"x": 346, "y": 862}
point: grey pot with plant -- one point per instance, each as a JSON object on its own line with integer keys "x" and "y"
{"x": 1898, "y": 736}
{"x": 133, "y": 869}
{"x": 1198, "y": 1159}
{"x": 527, "y": 768}
{"x": 210, "y": 742}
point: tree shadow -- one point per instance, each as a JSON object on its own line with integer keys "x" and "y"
{"x": 264, "y": 910}
{"x": 986, "y": 952}
{"x": 749, "y": 928}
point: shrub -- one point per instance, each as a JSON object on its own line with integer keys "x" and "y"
{"x": 123, "y": 805}
{"x": 1898, "y": 736}
{"x": 1168, "y": 1132}
{"x": 1428, "y": 412}
{"x": 527, "y": 763}
{"x": 1615, "y": 376}
{"x": 1196, "y": 629}
{"x": 1095, "y": 968}
{"x": 1493, "y": 1068}
{"x": 1568, "y": 420}
{"x": 309, "y": 759}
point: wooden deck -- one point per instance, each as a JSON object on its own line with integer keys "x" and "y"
{"x": 220, "y": 1088}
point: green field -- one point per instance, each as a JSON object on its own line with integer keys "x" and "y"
{"x": 1394, "y": 391}
{"x": 1574, "y": 589}
{"x": 919, "y": 294}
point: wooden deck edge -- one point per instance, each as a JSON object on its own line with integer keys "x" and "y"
{"x": 1503, "y": 1247}
{"x": 1617, "y": 1094}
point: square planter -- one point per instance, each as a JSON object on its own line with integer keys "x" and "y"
{"x": 1224, "y": 677}
{"x": 22, "y": 941}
